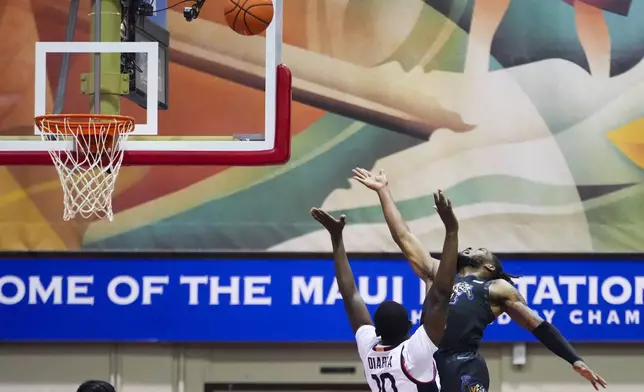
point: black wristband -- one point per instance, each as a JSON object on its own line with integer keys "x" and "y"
{"x": 555, "y": 342}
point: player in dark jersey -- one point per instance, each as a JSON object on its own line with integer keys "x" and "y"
{"x": 392, "y": 359}
{"x": 481, "y": 293}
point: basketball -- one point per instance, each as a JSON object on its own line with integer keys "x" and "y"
{"x": 249, "y": 17}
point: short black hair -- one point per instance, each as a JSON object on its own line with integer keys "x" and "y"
{"x": 392, "y": 322}
{"x": 498, "y": 271}
{"x": 96, "y": 386}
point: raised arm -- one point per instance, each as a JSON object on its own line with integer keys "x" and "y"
{"x": 355, "y": 307}
{"x": 513, "y": 303}
{"x": 421, "y": 262}
{"x": 436, "y": 301}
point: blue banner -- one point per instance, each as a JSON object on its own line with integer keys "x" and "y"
{"x": 285, "y": 300}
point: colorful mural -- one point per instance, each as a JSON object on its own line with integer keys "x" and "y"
{"x": 529, "y": 114}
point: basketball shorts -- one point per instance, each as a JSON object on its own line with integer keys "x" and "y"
{"x": 462, "y": 372}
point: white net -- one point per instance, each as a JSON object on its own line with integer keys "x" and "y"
{"x": 88, "y": 173}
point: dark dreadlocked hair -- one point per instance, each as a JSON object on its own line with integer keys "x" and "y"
{"x": 498, "y": 271}
{"x": 95, "y": 386}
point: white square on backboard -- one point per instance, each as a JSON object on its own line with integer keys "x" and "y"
{"x": 150, "y": 48}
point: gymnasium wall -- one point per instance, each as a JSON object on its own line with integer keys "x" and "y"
{"x": 531, "y": 125}
{"x": 538, "y": 143}
{"x": 607, "y": 315}
{"x": 154, "y": 368}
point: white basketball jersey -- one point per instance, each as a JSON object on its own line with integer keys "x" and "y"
{"x": 408, "y": 367}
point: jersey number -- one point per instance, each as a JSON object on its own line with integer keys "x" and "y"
{"x": 380, "y": 382}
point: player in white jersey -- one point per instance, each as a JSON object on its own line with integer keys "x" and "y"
{"x": 394, "y": 361}
{"x": 407, "y": 367}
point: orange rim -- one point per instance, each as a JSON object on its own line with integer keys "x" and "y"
{"x": 80, "y": 123}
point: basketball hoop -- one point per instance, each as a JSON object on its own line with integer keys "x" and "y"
{"x": 88, "y": 172}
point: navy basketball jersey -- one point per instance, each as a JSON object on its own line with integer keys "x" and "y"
{"x": 469, "y": 314}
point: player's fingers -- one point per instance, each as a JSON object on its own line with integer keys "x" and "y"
{"x": 601, "y": 381}
{"x": 322, "y": 215}
{"x": 435, "y": 208}
{"x": 449, "y": 202}
{"x": 343, "y": 218}
{"x": 364, "y": 172}
{"x": 316, "y": 216}
{"x": 436, "y": 199}
{"x": 359, "y": 179}
{"x": 594, "y": 385}
{"x": 382, "y": 172}
{"x": 357, "y": 172}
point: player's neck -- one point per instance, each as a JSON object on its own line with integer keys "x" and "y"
{"x": 392, "y": 343}
{"x": 470, "y": 271}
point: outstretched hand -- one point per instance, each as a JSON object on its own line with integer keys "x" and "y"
{"x": 443, "y": 207}
{"x": 368, "y": 179}
{"x": 333, "y": 225}
{"x": 595, "y": 379}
